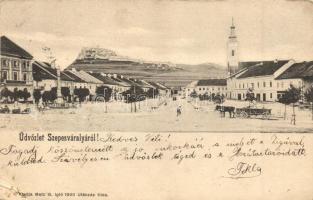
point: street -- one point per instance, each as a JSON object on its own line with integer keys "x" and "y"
{"x": 93, "y": 117}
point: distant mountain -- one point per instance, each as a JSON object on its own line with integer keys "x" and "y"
{"x": 108, "y": 61}
{"x": 189, "y": 73}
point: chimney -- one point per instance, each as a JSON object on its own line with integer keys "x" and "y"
{"x": 122, "y": 76}
{"x": 275, "y": 61}
{"x": 115, "y": 75}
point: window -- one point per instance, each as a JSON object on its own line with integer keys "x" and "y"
{"x": 277, "y": 85}
{"x": 5, "y": 62}
{"x": 271, "y": 85}
{"x": 232, "y": 52}
{"x": 264, "y": 84}
{"x": 24, "y": 65}
{"x": 252, "y": 85}
{"x": 271, "y": 95}
{"x": 15, "y": 63}
{"x": 199, "y": 89}
{"x": 15, "y": 76}
{"x": 24, "y": 76}
{"x": 258, "y": 84}
{"x": 4, "y": 75}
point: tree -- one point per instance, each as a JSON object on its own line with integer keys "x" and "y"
{"x": 309, "y": 94}
{"x": 134, "y": 94}
{"x": 152, "y": 93}
{"x": 81, "y": 93}
{"x": 6, "y": 93}
{"x": 46, "y": 96}
{"x": 105, "y": 92}
{"x": 193, "y": 94}
{"x": 15, "y": 94}
{"x": 218, "y": 98}
{"x": 309, "y": 97}
{"x": 49, "y": 96}
{"x": 26, "y": 94}
{"x": 37, "y": 96}
{"x": 20, "y": 94}
{"x": 291, "y": 96}
{"x": 65, "y": 91}
{"x": 250, "y": 96}
{"x": 53, "y": 94}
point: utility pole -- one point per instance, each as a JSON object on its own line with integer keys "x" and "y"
{"x": 312, "y": 109}
{"x": 106, "y": 108}
{"x": 135, "y": 98}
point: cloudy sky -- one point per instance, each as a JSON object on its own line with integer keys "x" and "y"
{"x": 161, "y": 30}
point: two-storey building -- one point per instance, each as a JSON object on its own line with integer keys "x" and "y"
{"x": 15, "y": 66}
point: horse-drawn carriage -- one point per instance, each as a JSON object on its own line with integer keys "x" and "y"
{"x": 245, "y": 112}
{"x": 248, "y": 112}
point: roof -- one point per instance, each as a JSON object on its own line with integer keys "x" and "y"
{"x": 141, "y": 83}
{"x": 298, "y": 70}
{"x": 87, "y": 77}
{"x": 155, "y": 85}
{"x": 73, "y": 76}
{"x": 124, "y": 80}
{"x": 263, "y": 68}
{"x": 9, "y": 48}
{"x": 243, "y": 65}
{"x": 212, "y": 82}
{"x": 104, "y": 79}
{"x": 120, "y": 81}
{"x": 43, "y": 70}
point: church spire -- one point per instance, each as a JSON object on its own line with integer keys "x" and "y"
{"x": 232, "y": 50}
{"x": 232, "y": 30}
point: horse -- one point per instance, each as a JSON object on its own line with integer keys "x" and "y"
{"x": 224, "y": 109}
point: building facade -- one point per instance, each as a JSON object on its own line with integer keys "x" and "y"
{"x": 15, "y": 66}
{"x": 210, "y": 87}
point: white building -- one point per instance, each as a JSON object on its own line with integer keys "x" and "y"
{"x": 45, "y": 77}
{"x": 265, "y": 78}
{"x": 211, "y": 87}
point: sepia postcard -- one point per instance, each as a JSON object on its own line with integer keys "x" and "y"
{"x": 156, "y": 99}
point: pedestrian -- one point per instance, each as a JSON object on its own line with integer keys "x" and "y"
{"x": 178, "y": 111}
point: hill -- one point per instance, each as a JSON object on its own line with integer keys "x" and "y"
{"x": 173, "y": 75}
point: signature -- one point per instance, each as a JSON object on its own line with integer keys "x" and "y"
{"x": 244, "y": 170}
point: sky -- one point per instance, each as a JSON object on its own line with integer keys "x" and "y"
{"x": 190, "y": 32}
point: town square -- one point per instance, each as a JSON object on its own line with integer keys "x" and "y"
{"x": 101, "y": 89}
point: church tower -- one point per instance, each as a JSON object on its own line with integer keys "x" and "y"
{"x": 232, "y": 51}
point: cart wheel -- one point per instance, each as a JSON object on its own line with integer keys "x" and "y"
{"x": 237, "y": 115}
{"x": 243, "y": 114}
{"x": 266, "y": 115}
